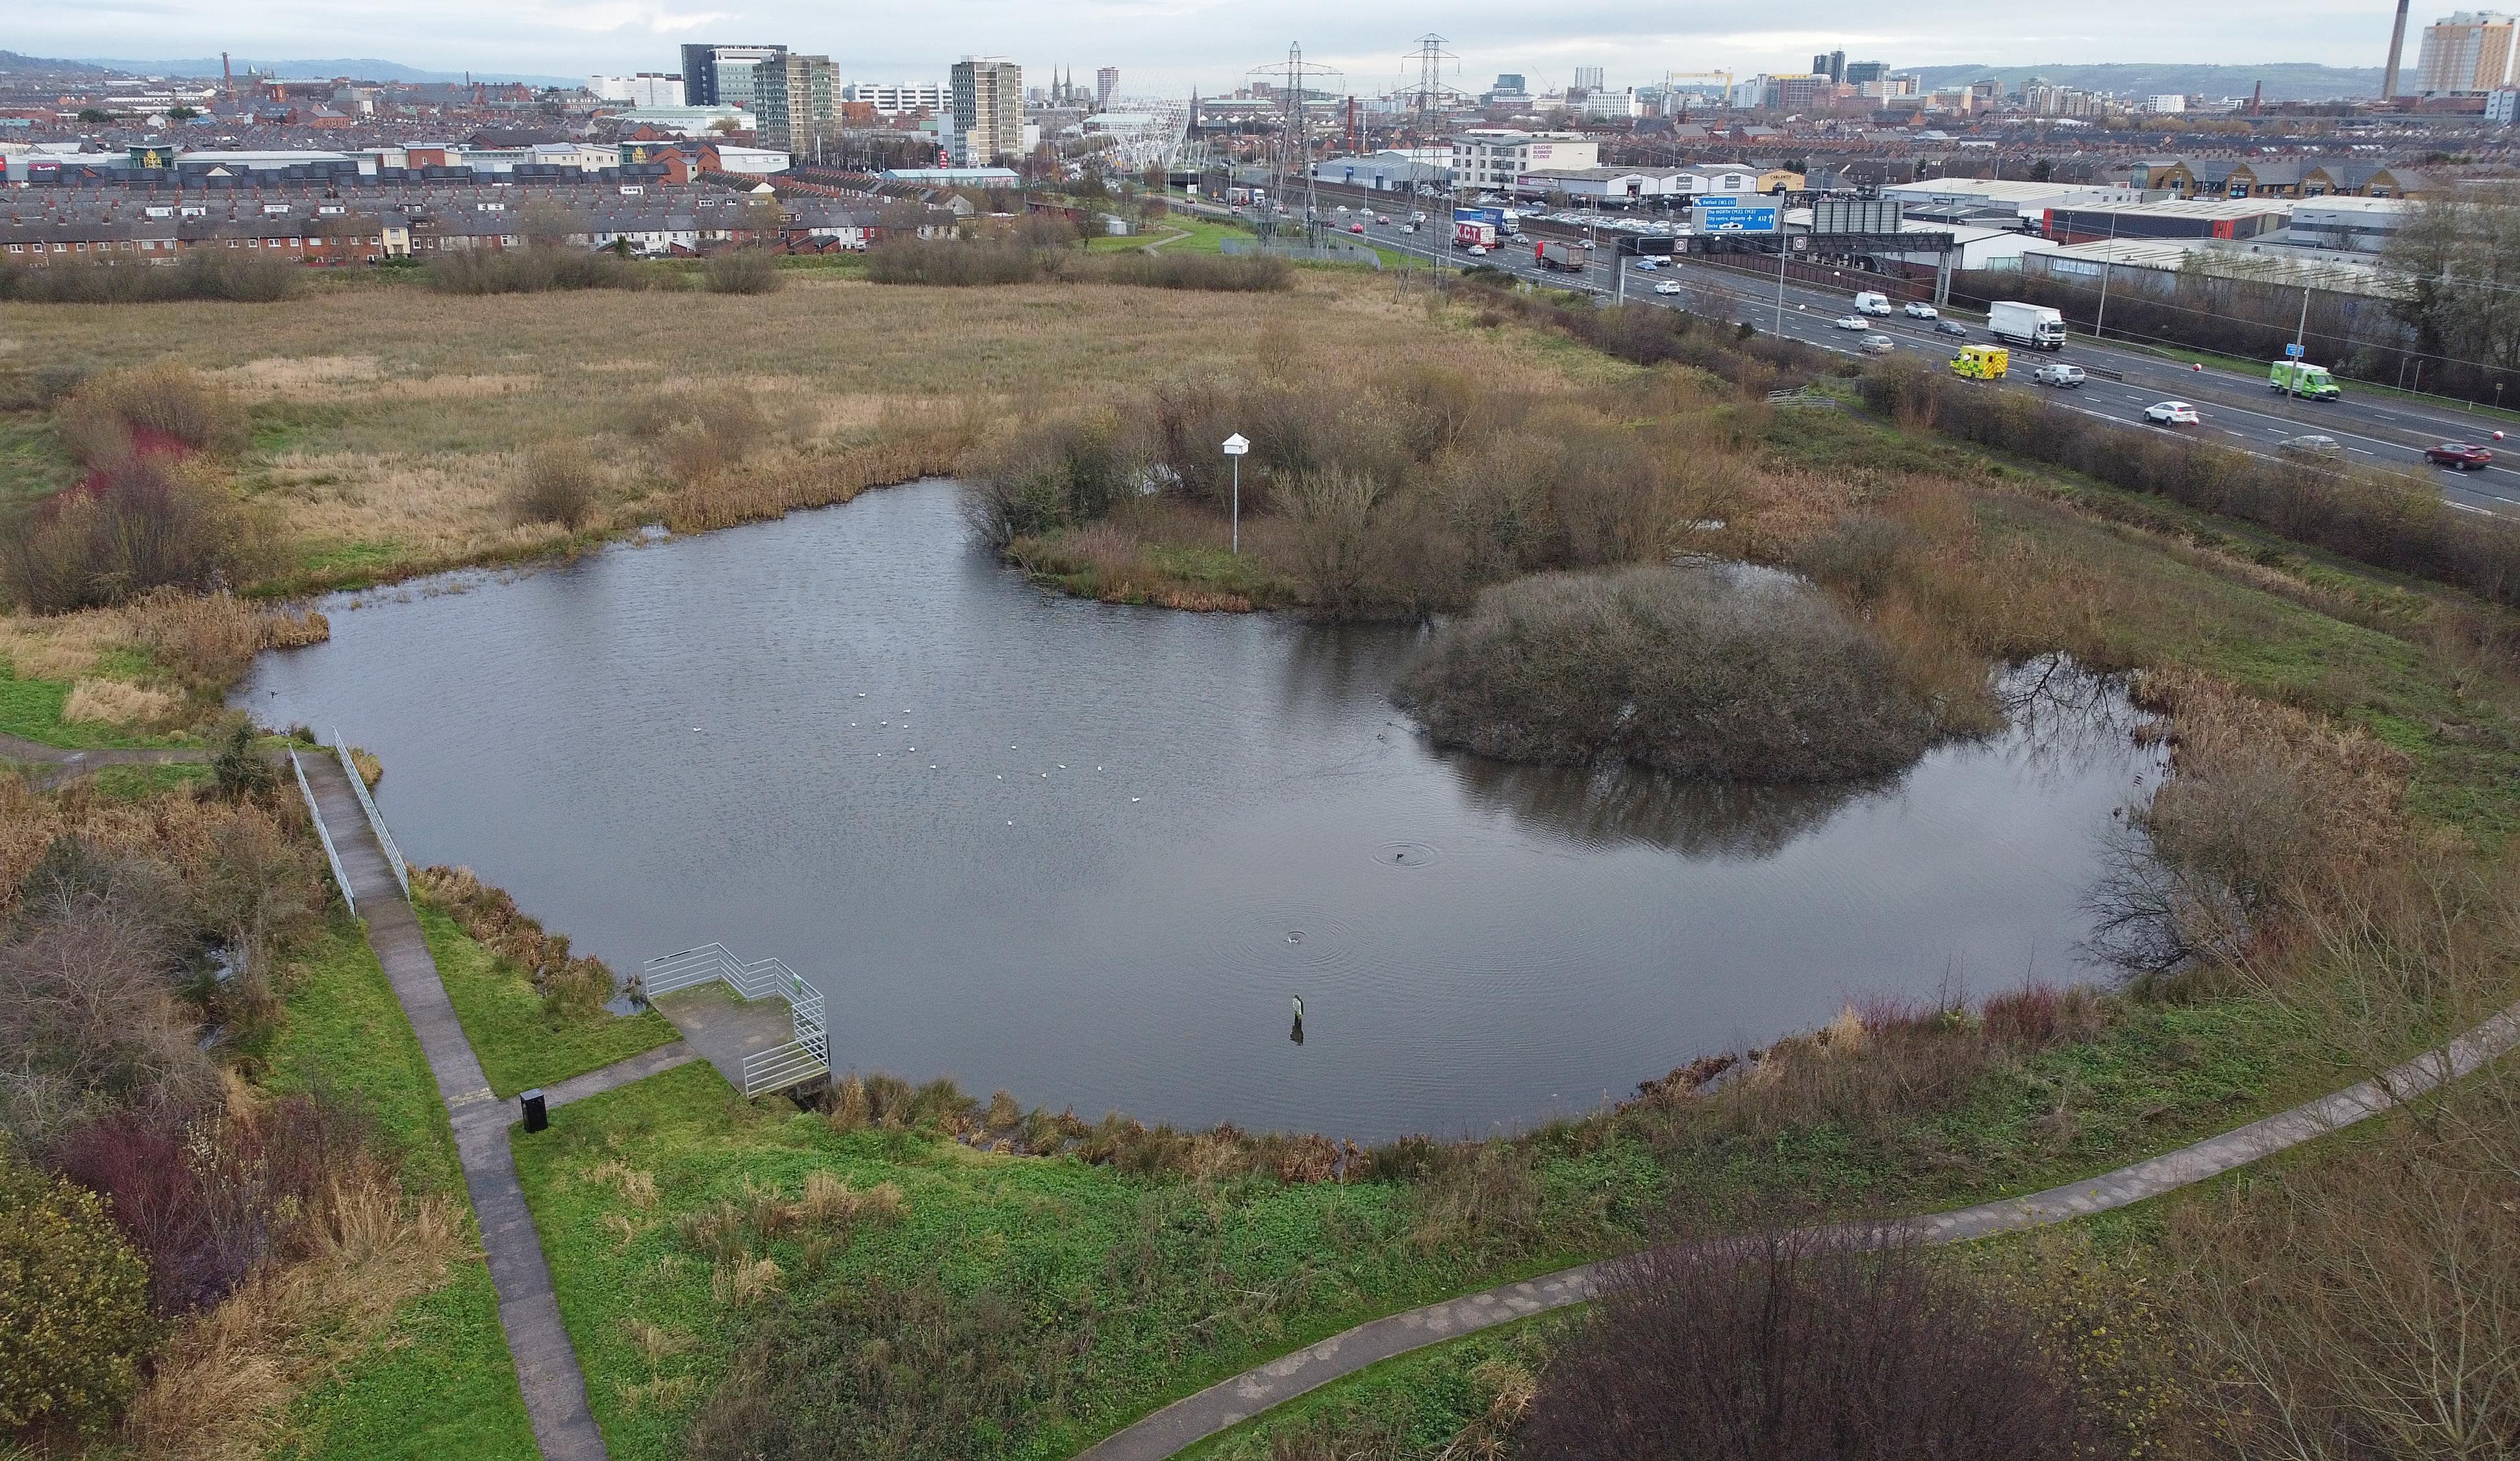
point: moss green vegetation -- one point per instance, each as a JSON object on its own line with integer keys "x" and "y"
{"x": 519, "y": 1042}
{"x": 438, "y": 1380}
{"x": 1162, "y": 1285}
{"x": 32, "y": 463}
{"x": 135, "y": 783}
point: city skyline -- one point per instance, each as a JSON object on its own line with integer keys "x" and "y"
{"x": 1171, "y": 46}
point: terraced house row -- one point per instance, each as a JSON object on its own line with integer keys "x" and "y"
{"x": 343, "y": 227}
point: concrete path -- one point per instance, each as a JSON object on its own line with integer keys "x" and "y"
{"x": 725, "y": 1028}
{"x": 64, "y": 763}
{"x": 546, "y": 1361}
{"x": 619, "y": 1073}
{"x": 1228, "y": 1403}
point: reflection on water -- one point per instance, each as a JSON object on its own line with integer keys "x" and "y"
{"x": 1608, "y": 807}
{"x": 1093, "y": 855}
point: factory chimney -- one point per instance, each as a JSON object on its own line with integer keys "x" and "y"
{"x": 2396, "y": 49}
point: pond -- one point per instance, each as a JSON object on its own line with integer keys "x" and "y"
{"x": 1089, "y": 854}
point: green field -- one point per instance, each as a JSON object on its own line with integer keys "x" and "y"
{"x": 439, "y": 1381}
{"x": 520, "y": 1043}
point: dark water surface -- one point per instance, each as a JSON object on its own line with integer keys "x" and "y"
{"x": 1089, "y": 854}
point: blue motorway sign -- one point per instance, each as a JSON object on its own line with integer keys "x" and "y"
{"x": 1721, "y": 220}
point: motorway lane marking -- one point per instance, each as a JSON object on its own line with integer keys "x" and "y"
{"x": 1752, "y": 304}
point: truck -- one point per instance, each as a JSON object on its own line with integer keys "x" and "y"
{"x": 2296, "y": 378}
{"x": 1550, "y": 253}
{"x": 1871, "y": 303}
{"x": 1469, "y": 234}
{"x": 2033, "y": 325}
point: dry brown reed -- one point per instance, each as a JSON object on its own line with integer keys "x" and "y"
{"x": 164, "y": 403}
{"x": 223, "y": 1384}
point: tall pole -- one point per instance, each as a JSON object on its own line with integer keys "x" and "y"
{"x": 2302, "y": 330}
{"x": 2108, "y": 266}
{"x": 1782, "y": 241}
{"x": 2396, "y": 49}
{"x": 1237, "y": 505}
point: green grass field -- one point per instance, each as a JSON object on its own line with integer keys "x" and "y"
{"x": 1172, "y": 1283}
{"x": 439, "y": 1381}
{"x": 520, "y": 1044}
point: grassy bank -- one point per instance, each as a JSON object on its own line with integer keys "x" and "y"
{"x": 1135, "y": 1289}
{"x": 520, "y": 1041}
{"x": 436, "y": 1380}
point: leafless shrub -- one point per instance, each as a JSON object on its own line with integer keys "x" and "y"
{"x": 2367, "y": 1303}
{"x": 2266, "y": 807}
{"x": 741, "y": 271}
{"x": 559, "y": 484}
{"x": 1336, "y": 547}
{"x": 89, "y": 1025}
{"x": 1697, "y": 672}
{"x": 142, "y": 521}
{"x": 1795, "y": 1343}
{"x": 150, "y": 410}
{"x": 1056, "y": 471}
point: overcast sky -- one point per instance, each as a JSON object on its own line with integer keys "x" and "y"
{"x": 1170, "y": 45}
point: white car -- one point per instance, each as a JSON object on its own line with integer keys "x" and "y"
{"x": 1667, "y": 287}
{"x": 1917, "y": 311}
{"x": 2172, "y": 414}
{"x": 1478, "y": 250}
{"x": 1850, "y": 322}
{"x": 1649, "y": 263}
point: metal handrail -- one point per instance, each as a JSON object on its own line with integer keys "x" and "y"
{"x": 341, "y": 879}
{"x": 375, "y": 818}
{"x": 801, "y": 1058}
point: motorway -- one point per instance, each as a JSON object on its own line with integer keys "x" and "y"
{"x": 2374, "y": 430}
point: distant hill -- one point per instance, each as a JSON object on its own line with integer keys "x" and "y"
{"x": 2286, "y": 80}
{"x": 364, "y": 69}
{"x": 13, "y": 65}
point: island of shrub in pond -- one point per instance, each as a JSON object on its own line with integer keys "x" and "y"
{"x": 1721, "y": 671}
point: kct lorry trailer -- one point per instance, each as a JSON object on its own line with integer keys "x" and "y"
{"x": 2032, "y": 327}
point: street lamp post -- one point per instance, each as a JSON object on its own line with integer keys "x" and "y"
{"x": 1235, "y": 448}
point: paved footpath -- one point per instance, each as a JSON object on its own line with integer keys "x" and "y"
{"x": 1228, "y": 1403}
{"x": 546, "y": 1369}
{"x": 51, "y": 765}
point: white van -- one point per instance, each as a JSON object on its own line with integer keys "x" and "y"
{"x": 1870, "y": 303}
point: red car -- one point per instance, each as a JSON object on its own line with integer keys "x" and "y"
{"x": 1356, "y": 228}
{"x": 2464, "y": 455}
